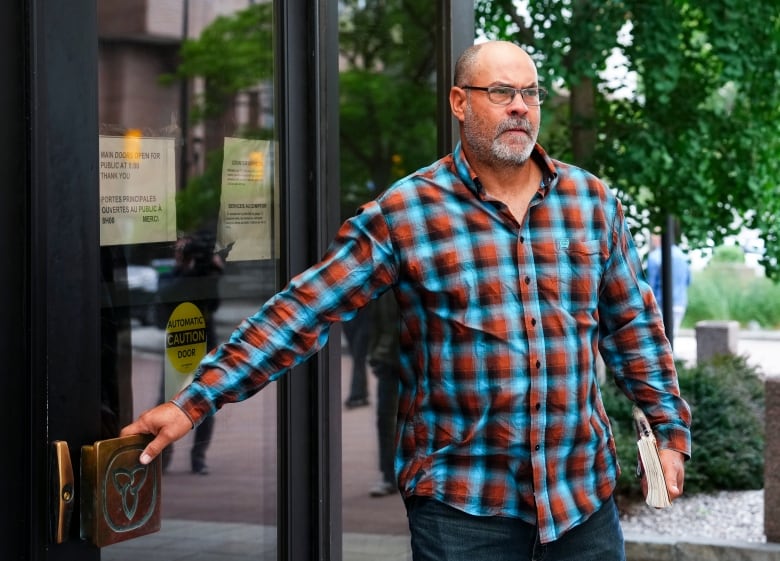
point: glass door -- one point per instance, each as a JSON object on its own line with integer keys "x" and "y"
{"x": 135, "y": 176}
{"x": 189, "y": 247}
{"x": 395, "y": 74}
{"x": 388, "y": 87}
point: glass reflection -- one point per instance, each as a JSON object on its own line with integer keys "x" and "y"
{"x": 185, "y": 92}
{"x": 388, "y": 129}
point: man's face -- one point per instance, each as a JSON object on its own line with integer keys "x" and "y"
{"x": 503, "y": 135}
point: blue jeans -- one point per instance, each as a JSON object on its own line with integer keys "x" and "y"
{"x": 442, "y": 533}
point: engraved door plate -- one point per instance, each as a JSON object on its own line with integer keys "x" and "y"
{"x": 120, "y": 497}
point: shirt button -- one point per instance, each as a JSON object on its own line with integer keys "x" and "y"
{"x": 537, "y": 447}
{"x": 538, "y": 406}
{"x": 533, "y": 321}
{"x": 522, "y": 239}
{"x": 538, "y": 364}
{"x": 527, "y": 280}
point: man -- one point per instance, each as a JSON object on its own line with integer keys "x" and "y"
{"x": 681, "y": 279}
{"x": 510, "y": 270}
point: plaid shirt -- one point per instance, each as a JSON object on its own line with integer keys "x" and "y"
{"x": 500, "y": 411}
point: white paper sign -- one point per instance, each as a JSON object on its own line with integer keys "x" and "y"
{"x": 246, "y": 201}
{"x": 137, "y": 190}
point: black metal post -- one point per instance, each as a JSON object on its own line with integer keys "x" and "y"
{"x": 455, "y": 32}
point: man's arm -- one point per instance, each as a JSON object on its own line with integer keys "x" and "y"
{"x": 289, "y": 328}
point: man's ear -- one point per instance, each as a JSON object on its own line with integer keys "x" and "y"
{"x": 458, "y": 103}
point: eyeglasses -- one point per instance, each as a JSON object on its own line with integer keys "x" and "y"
{"x": 504, "y": 95}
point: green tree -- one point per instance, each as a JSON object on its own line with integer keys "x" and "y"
{"x": 233, "y": 53}
{"x": 387, "y": 94}
{"x": 387, "y": 91}
{"x": 698, "y": 136}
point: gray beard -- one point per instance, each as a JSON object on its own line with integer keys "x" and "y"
{"x": 506, "y": 156}
{"x": 493, "y": 151}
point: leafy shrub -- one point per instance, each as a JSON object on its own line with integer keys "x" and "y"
{"x": 726, "y": 396}
{"x": 707, "y": 299}
{"x": 728, "y": 254}
{"x": 725, "y": 292}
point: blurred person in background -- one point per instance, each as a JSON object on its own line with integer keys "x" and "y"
{"x": 385, "y": 361}
{"x": 681, "y": 279}
{"x": 194, "y": 278}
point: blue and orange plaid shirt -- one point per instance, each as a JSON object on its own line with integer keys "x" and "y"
{"x": 502, "y": 318}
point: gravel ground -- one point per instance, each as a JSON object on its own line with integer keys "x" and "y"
{"x": 726, "y": 515}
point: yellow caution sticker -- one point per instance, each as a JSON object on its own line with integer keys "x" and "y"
{"x": 185, "y": 338}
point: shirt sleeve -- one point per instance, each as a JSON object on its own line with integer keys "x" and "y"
{"x": 294, "y": 324}
{"x": 634, "y": 345}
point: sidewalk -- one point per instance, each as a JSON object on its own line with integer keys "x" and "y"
{"x": 762, "y": 349}
{"x": 215, "y": 541}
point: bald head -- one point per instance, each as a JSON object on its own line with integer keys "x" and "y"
{"x": 477, "y": 56}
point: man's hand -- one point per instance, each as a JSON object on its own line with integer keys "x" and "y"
{"x": 673, "y": 464}
{"x": 166, "y": 422}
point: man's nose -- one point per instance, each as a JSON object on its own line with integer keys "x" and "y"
{"x": 517, "y": 106}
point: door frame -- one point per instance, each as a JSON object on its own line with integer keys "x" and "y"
{"x": 56, "y": 266}
{"x": 309, "y": 398}
{"x": 21, "y": 414}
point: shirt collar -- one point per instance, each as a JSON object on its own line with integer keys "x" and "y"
{"x": 470, "y": 179}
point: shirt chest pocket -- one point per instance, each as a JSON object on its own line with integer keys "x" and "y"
{"x": 580, "y": 265}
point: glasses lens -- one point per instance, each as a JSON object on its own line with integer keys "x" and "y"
{"x": 533, "y": 96}
{"x": 501, "y": 95}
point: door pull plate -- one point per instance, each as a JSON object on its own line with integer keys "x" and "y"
{"x": 120, "y": 497}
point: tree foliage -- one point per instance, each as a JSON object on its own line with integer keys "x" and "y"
{"x": 387, "y": 94}
{"x": 697, "y": 135}
{"x": 694, "y": 132}
{"x": 387, "y": 88}
{"x": 232, "y": 53}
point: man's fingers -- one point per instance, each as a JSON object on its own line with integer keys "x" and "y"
{"x": 133, "y": 428}
{"x": 166, "y": 422}
{"x": 154, "y": 449}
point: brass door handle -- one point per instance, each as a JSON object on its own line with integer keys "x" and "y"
{"x": 62, "y": 491}
{"x": 120, "y": 498}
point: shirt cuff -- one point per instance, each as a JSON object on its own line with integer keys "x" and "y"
{"x": 674, "y": 437}
{"x": 193, "y": 403}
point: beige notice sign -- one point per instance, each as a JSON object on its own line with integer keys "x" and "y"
{"x": 246, "y": 201}
{"x": 137, "y": 190}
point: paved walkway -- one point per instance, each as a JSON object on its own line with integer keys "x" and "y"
{"x": 762, "y": 349}
{"x": 230, "y": 514}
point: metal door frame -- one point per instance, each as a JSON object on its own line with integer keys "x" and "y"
{"x": 54, "y": 266}
{"x": 309, "y": 426}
